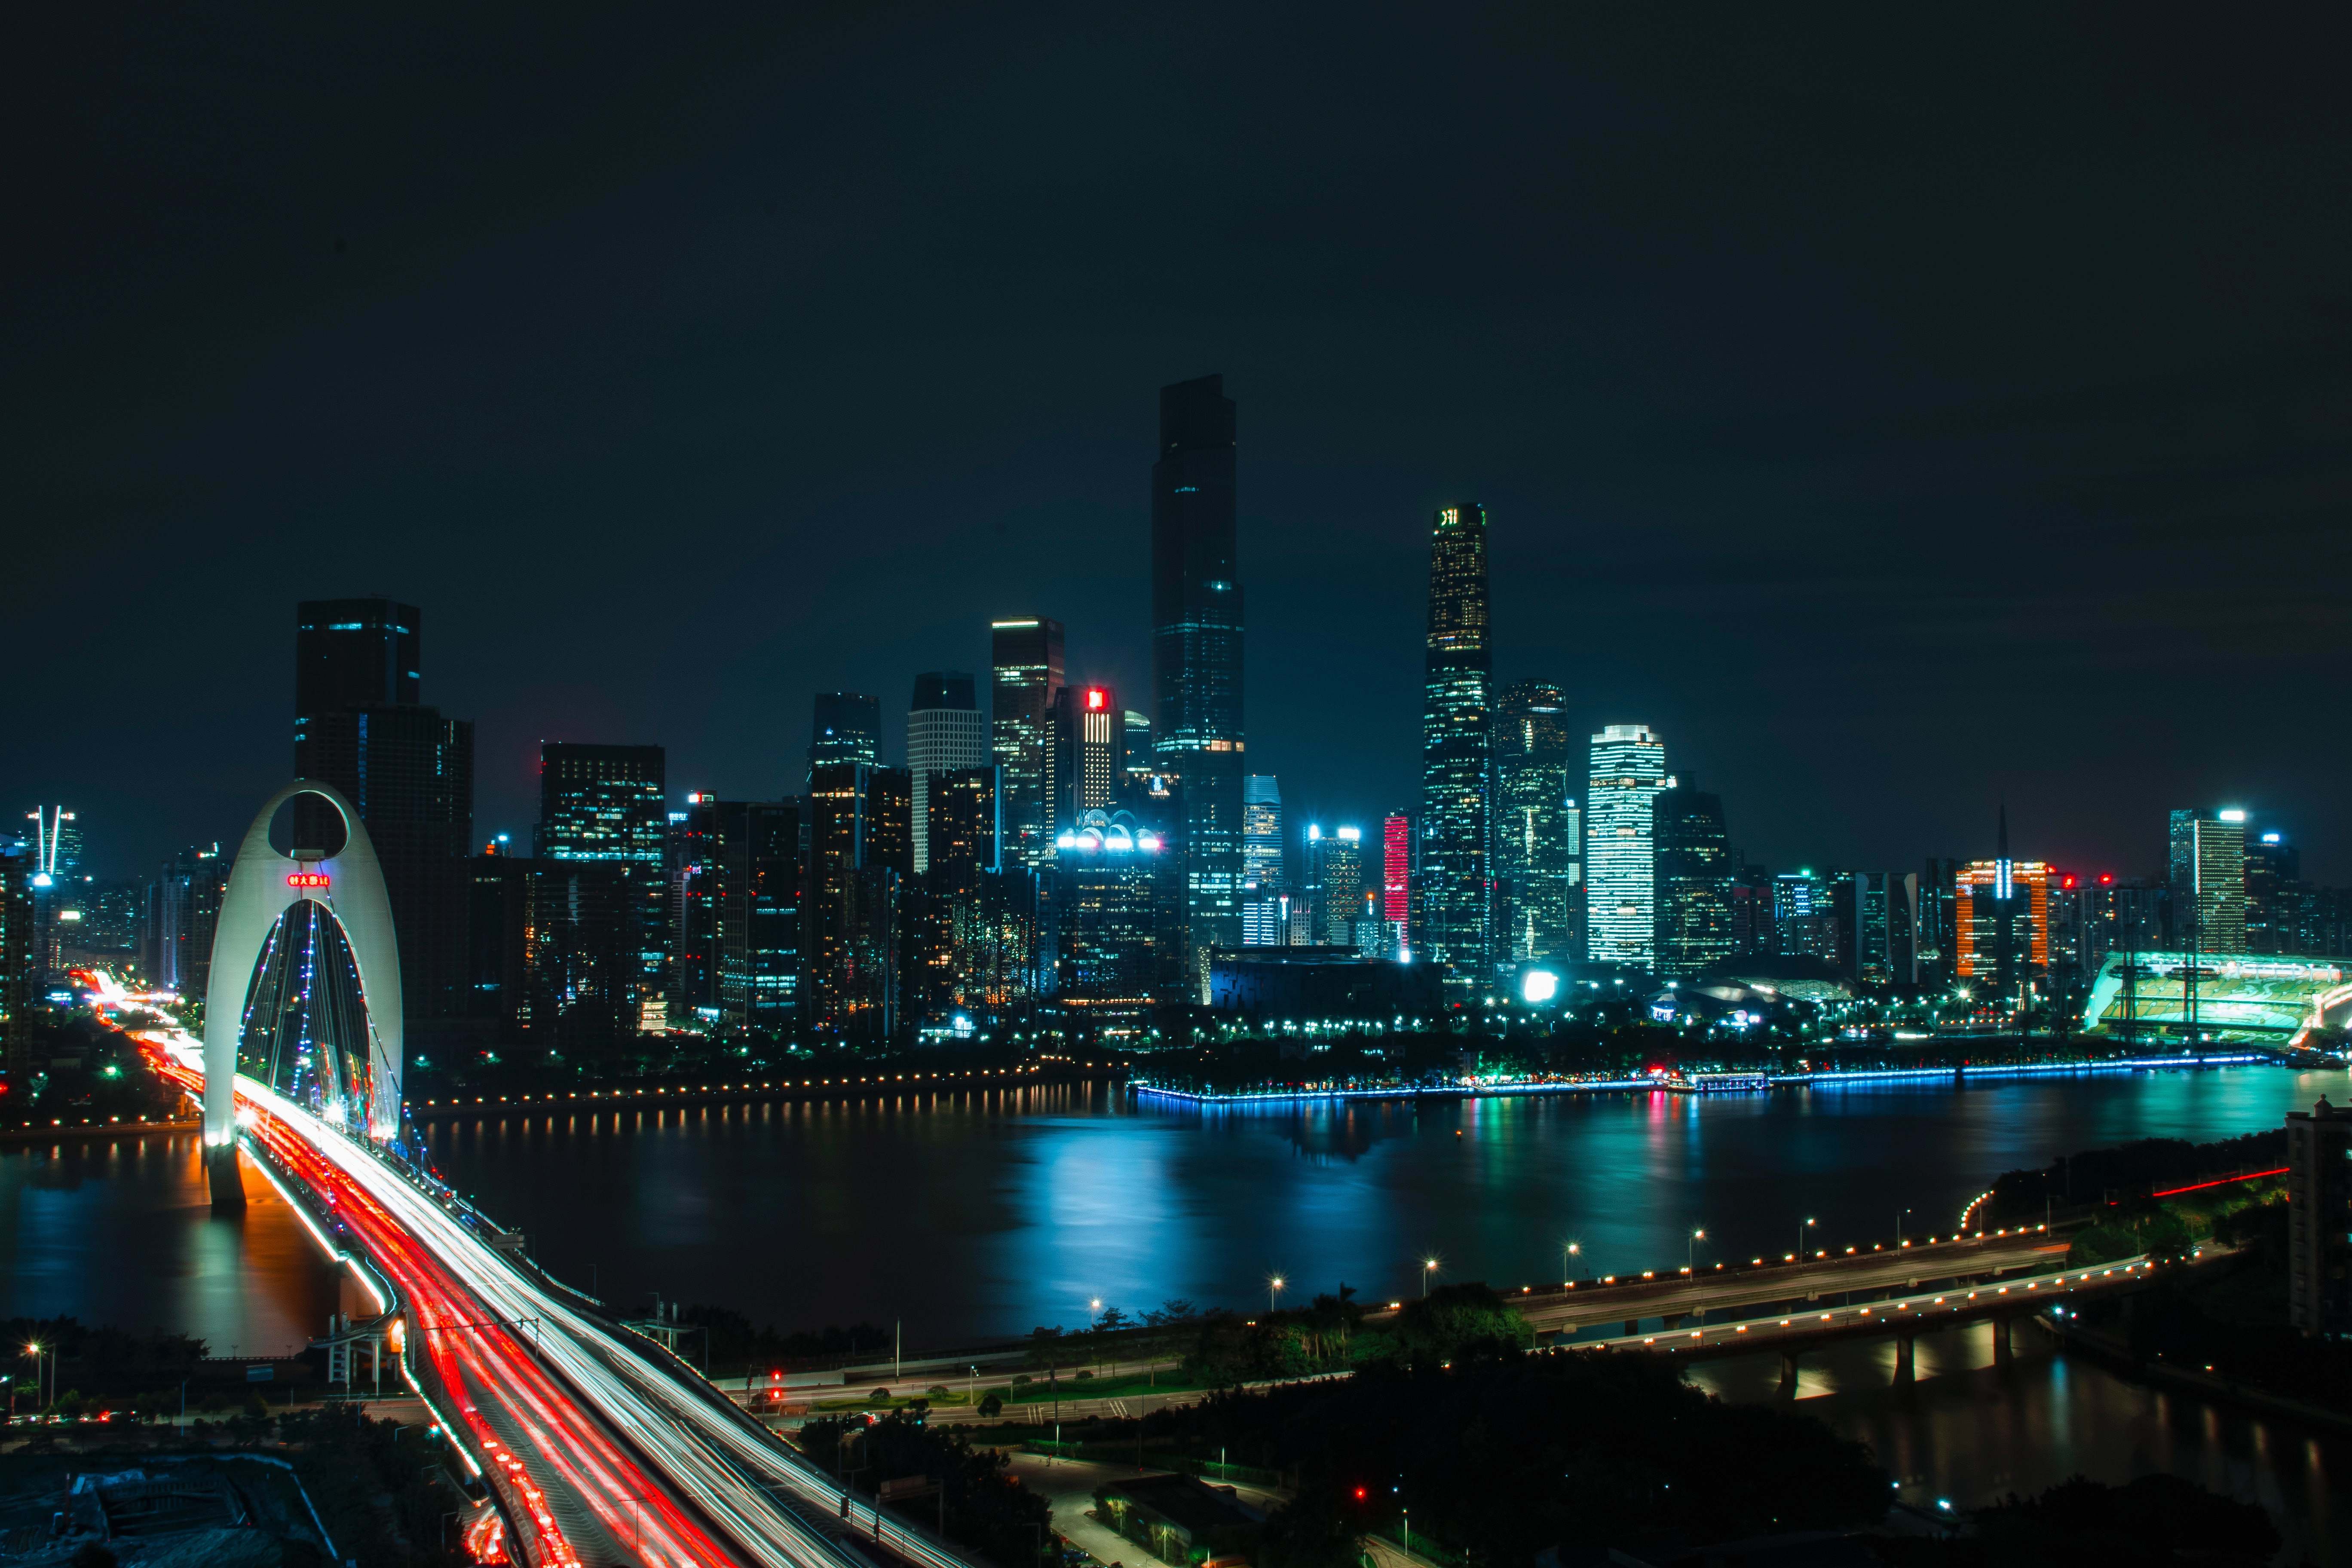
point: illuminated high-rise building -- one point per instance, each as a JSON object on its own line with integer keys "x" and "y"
{"x": 860, "y": 858}
{"x": 2273, "y": 892}
{"x": 1454, "y": 908}
{"x": 19, "y": 960}
{"x": 604, "y": 806}
{"x": 1024, "y": 672}
{"x": 1107, "y": 921}
{"x": 1694, "y": 871}
{"x": 360, "y": 724}
{"x": 1089, "y": 747}
{"x": 2208, "y": 867}
{"x": 845, "y": 727}
{"x": 1396, "y": 876}
{"x": 1539, "y": 861}
{"x": 1263, "y": 920}
{"x": 1804, "y": 916}
{"x": 2004, "y": 919}
{"x": 1337, "y": 859}
{"x": 1878, "y": 926}
{"x": 1196, "y": 650}
{"x": 1262, "y": 829}
{"x": 1627, "y": 770}
{"x": 944, "y": 730}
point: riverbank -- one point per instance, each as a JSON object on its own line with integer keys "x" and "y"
{"x": 90, "y": 1129}
{"x": 1727, "y": 1082}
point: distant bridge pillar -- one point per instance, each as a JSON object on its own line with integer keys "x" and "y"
{"x": 259, "y": 891}
{"x": 1788, "y": 1374}
{"x": 1905, "y": 1363}
{"x": 1632, "y": 1327}
{"x": 2003, "y": 1350}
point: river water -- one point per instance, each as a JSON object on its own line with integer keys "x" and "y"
{"x": 968, "y": 1215}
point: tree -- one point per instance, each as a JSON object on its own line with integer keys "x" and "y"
{"x": 1456, "y": 1324}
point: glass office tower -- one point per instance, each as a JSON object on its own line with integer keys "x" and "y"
{"x": 1196, "y": 652}
{"x": 1024, "y": 674}
{"x": 1455, "y": 906}
{"x": 1627, "y": 769}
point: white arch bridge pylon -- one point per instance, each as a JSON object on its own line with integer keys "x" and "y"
{"x": 348, "y": 889}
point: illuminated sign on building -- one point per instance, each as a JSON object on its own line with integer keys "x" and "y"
{"x": 306, "y": 878}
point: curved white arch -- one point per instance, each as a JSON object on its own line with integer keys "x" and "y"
{"x": 257, "y": 894}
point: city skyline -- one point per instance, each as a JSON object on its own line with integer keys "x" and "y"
{"x": 1878, "y": 510}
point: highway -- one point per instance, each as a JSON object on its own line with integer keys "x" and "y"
{"x": 563, "y": 1413}
{"x": 1677, "y": 1295}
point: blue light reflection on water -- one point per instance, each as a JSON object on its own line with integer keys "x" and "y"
{"x": 987, "y": 1213}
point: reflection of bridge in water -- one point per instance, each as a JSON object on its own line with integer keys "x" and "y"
{"x": 594, "y": 1444}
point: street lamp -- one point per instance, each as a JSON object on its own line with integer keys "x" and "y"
{"x": 1691, "y": 1267}
{"x": 1569, "y": 1249}
{"x": 1898, "y": 1226}
{"x": 1427, "y": 1270}
{"x": 1273, "y": 1288}
{"x": 1800, "y": 1238}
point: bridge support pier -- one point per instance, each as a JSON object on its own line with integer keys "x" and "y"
{"x": 1632, "y": 1327}
{"x": 227, "y": 1183}
{"x": 1788, "y": 1374}
{"x": 2003, "y": 1352}
{"x": 1905, "y": 1362}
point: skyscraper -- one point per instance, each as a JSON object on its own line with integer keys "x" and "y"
{"x": 1396, "y": 876}
{"x": 1089, "y": 748}
{"x": 759, "y": 912}
{"x": 1694, "y": 869}
{"x": 1627, "y": 770}
{"x": 604, "y": 819}
{"x": 2274, "y": 890}
{"x": 18, "y": 960}
{"x": 846, "y": 726}
{"x": 2207, "y": 867}
{"x": 1106, "y": 920}
{"x": 1024, "y": 672}
{"x": 1339, "y": 858}
{"x": 1261, "y": 867}
{"x": 361, "y": 725}
{"x": 1196, "y": 650}
{"x": 1804, "y": 916}
{"x": 861, "y": 853}
{"x": 1538, "y": 860}
{"x": 944, "y": 730}
{"x": 1457, "y": 745}
{"x": 183, "y": 909}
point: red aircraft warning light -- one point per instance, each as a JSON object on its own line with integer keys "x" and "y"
{"x": 306, "y": 878}
{"x": 1097, "y": 696}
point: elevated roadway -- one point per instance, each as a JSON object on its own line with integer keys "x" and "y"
{"x": 597, "y": 1451}
{"x": 1567, "y": 1309}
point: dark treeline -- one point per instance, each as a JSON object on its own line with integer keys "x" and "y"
{"x": 2127, "y": 1172}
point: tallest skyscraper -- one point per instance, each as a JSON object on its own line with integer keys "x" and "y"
{"x": 1456, "y": 746}
{"x": 1196, "y": 649}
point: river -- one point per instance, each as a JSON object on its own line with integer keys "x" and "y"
{"x": 968, "y": 1215}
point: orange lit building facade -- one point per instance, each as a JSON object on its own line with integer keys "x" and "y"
{"x": 1977, "y": 885}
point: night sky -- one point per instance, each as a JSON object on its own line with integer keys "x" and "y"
{"x": 1899, "y": 414}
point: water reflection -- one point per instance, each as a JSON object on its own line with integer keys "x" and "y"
{"x": 970, "y": 1214}
{"x": 1972, "y": 1433}
{"x": 122, "y": 1232}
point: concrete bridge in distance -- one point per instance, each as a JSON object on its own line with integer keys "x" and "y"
{"x": 1681, "y": 1298}
{"x": 1796, "y": 1329}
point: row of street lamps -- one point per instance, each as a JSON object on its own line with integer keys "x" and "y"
{"x": 1572, "y": 1250}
